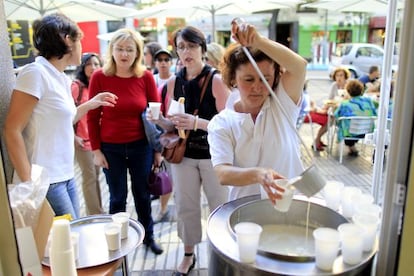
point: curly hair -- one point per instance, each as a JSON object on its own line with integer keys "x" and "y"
{"x": 234, "y": 56}
{"x": 49, "y": 33}
{"x": 354, "y": 88}
{"x": 341, "y": 69}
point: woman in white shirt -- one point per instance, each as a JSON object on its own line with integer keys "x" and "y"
{"x": 251, "y": 141}
{"x": 39, "y": 124}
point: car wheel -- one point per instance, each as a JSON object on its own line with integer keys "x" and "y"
{"x": 353, "y": 74}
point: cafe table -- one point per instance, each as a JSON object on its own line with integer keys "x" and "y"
{"x": 94, "y": 256}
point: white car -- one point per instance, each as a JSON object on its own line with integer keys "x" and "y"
{"x": 359, "y": 57}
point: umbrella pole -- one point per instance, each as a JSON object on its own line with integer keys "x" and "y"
{"x": 213, "y": 26}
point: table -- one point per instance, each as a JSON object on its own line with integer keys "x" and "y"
{"x": 100, "y": 270}
{"x": 93, "y": 249}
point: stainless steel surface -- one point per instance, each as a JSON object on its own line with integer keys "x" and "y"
{"x": 93, "y": 249}
{"x": 223, "y": 246}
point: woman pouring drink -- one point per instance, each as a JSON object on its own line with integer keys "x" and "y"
{"x": 251, "y": 141}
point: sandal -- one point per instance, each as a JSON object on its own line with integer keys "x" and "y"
{"x": 177, "y": 273}
{"x": 319, "y": 147}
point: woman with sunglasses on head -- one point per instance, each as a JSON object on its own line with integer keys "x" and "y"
{"x": 39, "y": 124}
{"x": 195, "y": 170}
{"x": 252, "y": 141}
{"x": 117, "y": 135}
{"x": 90, "y": 172}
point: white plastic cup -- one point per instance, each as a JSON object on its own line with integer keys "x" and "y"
{"x": 332, "y": 193}
{"x": 368, "y": 209}
{"x": 248, "y": 236}
{"x": 370, "y": 225}
{"x": 123, "y": 219}
{"x": 75, "y": 243}
{"x": 351, "y": 242}
{"x": 327, "y": 243}
{"x": 113, "y": 235}
{"x": 283, "y": 204}
{"x": 349, "y": 195}
{"x": 155, "y": 109}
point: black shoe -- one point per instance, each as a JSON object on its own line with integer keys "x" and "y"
{"x": 177, "y": 273}
{"x": 353, "y": 153}
{"x": 155, "y": 248}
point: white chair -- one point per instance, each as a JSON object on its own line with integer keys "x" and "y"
{"x": 301, "y": 121}
{"x": 358, "y": 125}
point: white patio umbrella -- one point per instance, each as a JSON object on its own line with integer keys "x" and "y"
{"x": 354, "y": 6}
{"x": 202, "y": 8}
{"x": 77, "y": 10}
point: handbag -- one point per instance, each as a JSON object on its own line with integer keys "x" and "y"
{"x": 173, "y": 145}
{"x": 159, "y": 181}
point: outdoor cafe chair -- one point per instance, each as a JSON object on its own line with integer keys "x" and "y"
{"x": 358, "y": 127}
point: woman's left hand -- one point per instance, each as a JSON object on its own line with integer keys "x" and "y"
{"x": 183, "y": 121}
{"x": 103, "y": 99}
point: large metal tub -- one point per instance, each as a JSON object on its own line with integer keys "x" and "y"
{"x": 223, "y": 246}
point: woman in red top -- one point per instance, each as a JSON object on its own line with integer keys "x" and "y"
{"x": 90, "y": 172}
{"x": 117, "y": 136}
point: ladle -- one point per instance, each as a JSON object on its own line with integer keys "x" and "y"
{"x": 310, "y": 181}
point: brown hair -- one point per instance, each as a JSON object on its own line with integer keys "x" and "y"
{"x": 341, "y": 69}
{"x": 234, "y": 56}
{"x": 354, "y": 88}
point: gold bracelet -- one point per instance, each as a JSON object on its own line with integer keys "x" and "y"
{"x": 196, "y": 123}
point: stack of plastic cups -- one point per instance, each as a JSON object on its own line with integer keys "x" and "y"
{"x": 348, "y": 200}
{"x": 62, "y": 259}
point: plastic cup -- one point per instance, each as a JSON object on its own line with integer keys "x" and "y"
{"x": 113, "y": 235}
{"x": 155, "y": 109}
{"x": 123, "y": 219}
{"x": 75, "y": 243}
{"x": 248, "y": 236}
{"x": 368, "y": 209}
{"x": 332, "y": 193}
{"x": 370, "y": 225}
{"x": 351, "y": 242}
{"x": 327, "y": 242}
{"x": 349, "y": 195}
{"x": 283, "y": 204}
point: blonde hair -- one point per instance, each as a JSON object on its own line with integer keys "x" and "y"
{"x": 137, "y": 67}
{"x": 215, "y": 53}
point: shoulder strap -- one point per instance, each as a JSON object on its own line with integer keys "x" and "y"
{"x": 204, "y": 87}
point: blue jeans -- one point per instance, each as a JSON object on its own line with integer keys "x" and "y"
{"x": 135, "y": 158}
{"x": 63, "y": 198}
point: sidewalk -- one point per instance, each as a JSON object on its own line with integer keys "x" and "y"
{"x": 353, "y": 172}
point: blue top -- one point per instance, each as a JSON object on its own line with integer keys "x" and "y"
{"x": 356, "y": 106}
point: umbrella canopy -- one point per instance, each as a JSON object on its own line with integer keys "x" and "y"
{"x": 201, "y": 8}
{"x": 77, "y": 10}
{"x": 356, "y": 6}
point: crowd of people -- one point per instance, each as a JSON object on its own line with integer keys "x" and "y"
{"x": 95, "y": 120}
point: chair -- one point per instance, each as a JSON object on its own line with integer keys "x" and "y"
{"x": 357, "y": 126}
{"x": 301, "y": 119}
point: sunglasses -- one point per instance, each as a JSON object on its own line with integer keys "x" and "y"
{"x": 163, "y": 59}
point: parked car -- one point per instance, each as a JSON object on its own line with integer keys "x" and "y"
{"x": 359, "y": 57}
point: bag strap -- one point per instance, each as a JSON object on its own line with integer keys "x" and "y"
{"x": 204, "y": 87}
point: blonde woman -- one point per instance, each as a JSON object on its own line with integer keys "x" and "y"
{"x": 117, "y": 135}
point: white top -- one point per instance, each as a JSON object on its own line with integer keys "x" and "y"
{"x": 271, "y": 142}
{"x": 49, "y": 136}
{"x": 159, "y": 81}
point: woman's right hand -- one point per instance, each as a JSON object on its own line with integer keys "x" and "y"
{"x": 244, "y": 33}
{"x": 99, "y": 159}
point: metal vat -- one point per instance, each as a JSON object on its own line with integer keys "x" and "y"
{"x": 223, "y": 247}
